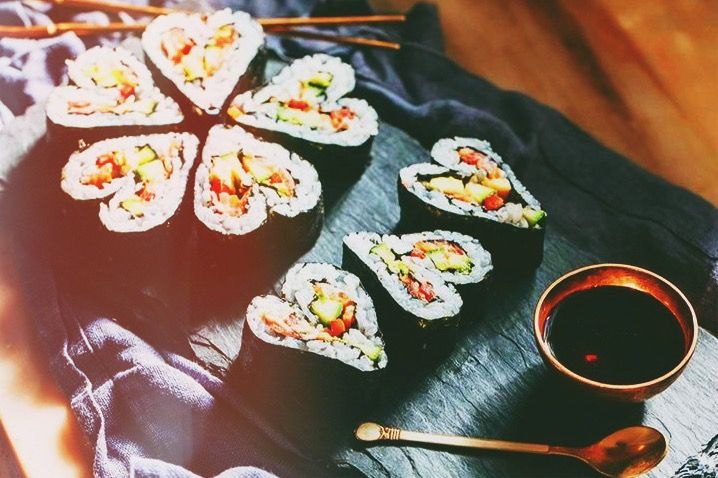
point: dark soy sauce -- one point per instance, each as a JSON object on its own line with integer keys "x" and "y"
{"x": 615, "y": 335}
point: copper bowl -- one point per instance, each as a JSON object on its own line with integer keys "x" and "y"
{"x": 626, "y": 276}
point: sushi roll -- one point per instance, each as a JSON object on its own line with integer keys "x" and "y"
{"x": 118, "y": 212}
{"x": 112, "y": 94}
{"x": 304, "y": 108}
{"x": 291, "y": 348}
{"x": 205, "y": 57}
{"x": 259, "y": 206}
{"x": 145, "y": 175}
{"x": 476, "y": 193}
{"x": 331, "y": 315}
{"x": 419, "y": 308}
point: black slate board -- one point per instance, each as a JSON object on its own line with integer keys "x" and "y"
{"x": 493, "y": 384}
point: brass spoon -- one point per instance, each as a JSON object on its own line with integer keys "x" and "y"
{"x": 624, "y": 453}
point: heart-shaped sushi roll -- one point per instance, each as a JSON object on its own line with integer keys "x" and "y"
{"x": 113, "y": 93}
{"x": 259, "y": 206}
{"x": 325, "y": 311}
{"x": 145, "y": 175}
{"x": 418, "y": 305}
{"x": 304, "y": 108}
{"x": 319, "y": 348}
{"x": 204, "y": 56}
{"x": 242, "y": 181}
{"x": 477, "y": 193}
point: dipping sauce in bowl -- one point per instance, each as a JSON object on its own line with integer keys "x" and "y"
{"x": 615, "y": 334}
{"x": 616, "y": 331}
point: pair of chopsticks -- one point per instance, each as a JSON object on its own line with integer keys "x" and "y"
{"x": 275, "y": 26}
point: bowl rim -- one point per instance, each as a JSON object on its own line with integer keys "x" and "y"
{"x": 548, "y": 354}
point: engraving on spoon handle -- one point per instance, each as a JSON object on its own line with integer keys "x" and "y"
{"x": 390, "y": 433}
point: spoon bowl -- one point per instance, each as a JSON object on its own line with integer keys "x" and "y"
{"x": 625, "y": 453}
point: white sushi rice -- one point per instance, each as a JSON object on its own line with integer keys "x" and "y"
{"x": 211, "y": 95}
{"x": 445, "y": 153}
{"x": 259, "y": 113}
{"x": 168, "y": 194}
{"x": 510, "y": 213}
{"x": 448, "y": 301}
{"x": 108, "y": 57}
{"x": 223, "y": 139}
{"x": 480, "y": 257}
{"x": 167, "y": 112}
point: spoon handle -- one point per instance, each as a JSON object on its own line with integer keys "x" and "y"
{"x": 396, "y": 434}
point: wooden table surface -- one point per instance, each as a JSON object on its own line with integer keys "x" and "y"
{"x": 639, "y": 76}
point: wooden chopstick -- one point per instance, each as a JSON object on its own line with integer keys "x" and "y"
{"x": 268, "y": 23}
{"x": 85, "y": 29}
{"x": 347, "y": 40}
{"x": 81, "y": 29}
{"x": 113, "y": 6}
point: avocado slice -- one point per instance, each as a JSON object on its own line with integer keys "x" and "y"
{"x": 152, "y": 171}
{"x": 134, "y": 205}
{"x": 384, "y": 252}
{"x": 445, "y": 261}
{"x": 193, "y": 67}
{"x": 226, "y": 168}
{"x": 399, "y": 267}
{"x": 327, "y": 310}
{"x": 478, "y": 193}
{"x": 145, "y": 154}
{"x": 146, "y": 106}
{"x": 533, "y": 216}
{"x": 120, "y": 78}
{"x": 290, "y": 115}
{"x": 501, "y": 185}
{"x": 257, "y": 168}
{"x": 103, "y": 77}
{"x": 212, "y": 59}
{"x": 447, "y": 185}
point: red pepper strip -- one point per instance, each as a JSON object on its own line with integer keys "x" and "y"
{"x": 427, "y": 290}
{"x": 337, "y": 328}
{"x": 422, "y": 291}
{"x": 146, "y": 195}
{"x": 298, "y": 105}
{"x": 127, "y": 90}
{"x": 493, "y": 202}
{"x": 416, "y": 252}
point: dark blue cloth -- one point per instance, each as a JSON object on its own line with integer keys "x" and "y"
{"x": 148, "y": 410}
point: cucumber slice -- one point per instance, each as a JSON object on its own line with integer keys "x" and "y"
{"x": 327, "y": 310}
{"x": 145, "y": 154}
{"x": 533, "y": 216}
{"x": 152, "y": 171}
{"x": 134, "y": 205}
